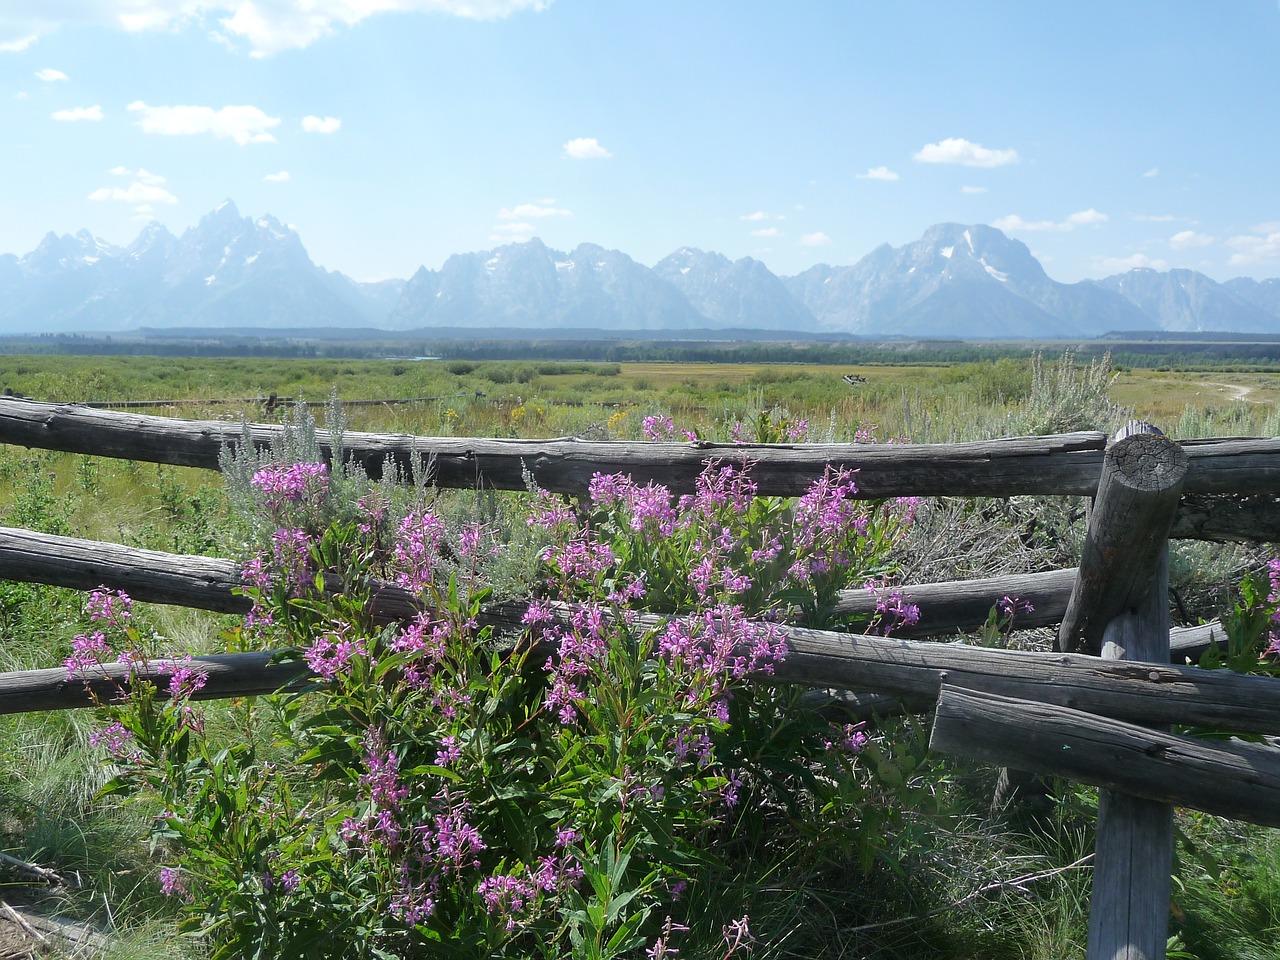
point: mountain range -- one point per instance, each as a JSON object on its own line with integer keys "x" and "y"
{"x": 955, "y": 281}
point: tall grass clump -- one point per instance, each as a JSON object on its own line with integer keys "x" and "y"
{"x": 1065, "y": 396}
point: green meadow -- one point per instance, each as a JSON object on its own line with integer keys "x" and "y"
{"x": 960, "y": 884}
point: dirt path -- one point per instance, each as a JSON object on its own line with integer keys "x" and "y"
{"x": 1235, "y": 390}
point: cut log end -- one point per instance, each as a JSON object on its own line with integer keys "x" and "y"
{"x": 1148, "y": 462}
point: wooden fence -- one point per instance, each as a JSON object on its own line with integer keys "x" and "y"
{"x": 1092, "y": 711}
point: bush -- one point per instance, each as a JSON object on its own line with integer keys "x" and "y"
{"x": 444, "y": 789}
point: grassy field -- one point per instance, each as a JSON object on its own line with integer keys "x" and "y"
{"x": 539, "y": 398}
{"x": 950, "y": 895}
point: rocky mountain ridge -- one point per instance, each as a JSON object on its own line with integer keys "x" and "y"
{"x": 957, "y": 280}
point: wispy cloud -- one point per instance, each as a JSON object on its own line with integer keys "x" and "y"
{"x": 1086, "y": 218}
{"x": 78, "y": 113}
{"x": 142, "y": 175}
{"x": 1159, "y": 218}
{"x": 586, "y": 148}
{"x": 877, "y": 173}
{"x": 50, "y": 75}
{"x": 1190, "y": 240}
{"x": 18, "y": 44}
{"x": 1262, "y": 246}
{"x": 817, "y": 239}
{"x": 964, "y": 152}
{"x": 1082, "y": 218}
{"x": 1125, "y": 264}
{"x": 243, "y": 124}
{"x": 523, "y": 210}
{"x": 512, "y": 232}
{"x": 758, "y": 215}
{"x": 513, "y": 222}
{"x": 145, "y": 188}
{"x": 321, "y": 124}
{"x": 1153, "y": 172}
{"x": 282, "y": 176}
{"x": 767, "y": 232}
{"x": 266, "y": 26}
{"x": 968, "y": 189}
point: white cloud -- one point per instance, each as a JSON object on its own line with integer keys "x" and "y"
{"x": 142, "y": 175}
{"x": 267, "y": 26}
{"x": 136, "y": 192}
{"x": 243, "y": 124}
{"x": 758, "y": 215}
{"x": 818, "y": 239}
{"x": 49, "y": 75}
{"x": 17, "y": 45}
{"x": 968, "y": 189}
{"x": 1086, "y": 218}
{"x": 586, "y": 148}
{"x": 964, "y": 152}
{"x": 1189, "y": 240}
{"x": 1262, "y": 247}
{"x": 1158, "y": 218}
{"x": 1083, "y": 218}
{"x": 1015, "y": 224}
{"x": 877, "y": 173}
{"x": 79, "y": 113}
{"x": 523, "y": 210}
{"x": 1153, "y": 172}
{"x": 1125, "y": 264}
{"x": 321, "y": 124}
{"x": 512, "y": 232}
{"x": 767, "y": 232}
{"x": 282, "y": 177}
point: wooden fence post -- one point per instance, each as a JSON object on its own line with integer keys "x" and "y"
{"x": 1120, "y": 609}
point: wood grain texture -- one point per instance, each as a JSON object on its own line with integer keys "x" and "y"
{"x": 1138, "y": 492}
{"x": 1226, "y": 777}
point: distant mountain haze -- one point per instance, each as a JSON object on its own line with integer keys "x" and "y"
{"x": 955, "y": 281}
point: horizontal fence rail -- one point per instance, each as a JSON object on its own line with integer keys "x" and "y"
{"x": 914, "y": 670}
{"x": 210, "y": 583}
{"x": 1242, "y": 474}
{"x": 1068, "y": 463}
{"x": 1229, "y": 779}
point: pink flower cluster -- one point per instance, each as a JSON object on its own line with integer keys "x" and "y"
{"x": 284, "y": 485}
{"x": 892, "y": 608}
{"x": 715, "y": 647}
{"x": 658, "y": 427}
{"x": 1273, "y": 572}
{"x": 111, "y": 607}
{"x": 828, "y": 518}
{"x": 331, "y": 653}
{"x": 417, "y": 549}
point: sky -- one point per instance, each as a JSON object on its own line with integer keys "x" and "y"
{"x": 393, "y": 133}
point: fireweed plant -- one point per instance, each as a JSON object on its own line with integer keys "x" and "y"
{"x": 1252, "y": 627}
{"x": 591, "y": 777}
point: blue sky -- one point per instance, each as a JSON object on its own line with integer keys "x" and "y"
{"x": 392, "y": 133}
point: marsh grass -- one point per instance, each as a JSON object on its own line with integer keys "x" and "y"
{"x": 940, "y": 895}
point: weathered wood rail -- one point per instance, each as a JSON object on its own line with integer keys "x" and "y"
{"x": 1230, "y": 778}
{"x": 1245, "y": 471}
{"x": 913, "y": 669}
{"x": 208, "y": 583}
{"x": 1072, "y": 714}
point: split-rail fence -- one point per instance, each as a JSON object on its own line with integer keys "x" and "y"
{"x": 1096, "y": 710}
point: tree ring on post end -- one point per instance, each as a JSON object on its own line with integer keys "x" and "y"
{"x": 1147, "y": 462}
